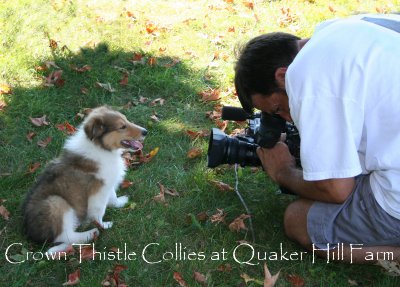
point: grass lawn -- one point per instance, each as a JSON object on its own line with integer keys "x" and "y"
{"x": 153, "y": 61}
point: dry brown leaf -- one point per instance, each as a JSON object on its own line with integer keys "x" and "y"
{"x": 194, "y": 152}
{"x": 150, "y": 27}
{"x": 194, "y": 135}
{"x": 160, "y": 101}
{"x": 82, "y": 69}
{"x": 126, "y": 184}
{"x": 222, "y": 125}
{"x": 4, "y": 212}
{"x": 178, "y": 278}
{"x": 124, "y": 80}
{"x": 161, "y": 196}
{"x": 269, "y": 280}
{"x": 54, "y": 79}
{"x": 218, "y": 217}
{"x": 73, "y": 278}
{"x": 392, "y": 267}
{"x": 30, "y": 136}
{"x": 295, "y": 280}
{"x": 105, "y": 86}
{"x": 84, "y": 90}
{"x": 221, "y": 186}
{"x": 202, "y": 216}
{"x": 248, "y": 4}
{"x": 210, "y": 95}
{"x": 200, "y": 278}
{"x": 33, "y": 167}
{"x": 152, "y": 61}
{"x": 44, "y": 143}
{"x": 5, "y": 89}
{"x": 238, "y": 223}
{"x": 225, "y": 268}
{"x": 39, "y": 121}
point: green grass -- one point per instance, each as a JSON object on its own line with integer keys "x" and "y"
{"x": 100, "y": 34}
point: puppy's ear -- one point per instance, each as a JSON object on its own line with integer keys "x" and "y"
{"x": 94, "y": 128}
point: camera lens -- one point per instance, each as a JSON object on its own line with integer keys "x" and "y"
{"x": 225, "y": 149}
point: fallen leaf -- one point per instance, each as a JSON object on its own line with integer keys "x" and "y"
{"x": 49, "y": 64}
{"x": 162, "y": 49}
{"x": 39, "y": 121}
{"x": 126, "y": 184}
{"x": 202, "y": 216}
{"x": 87, "y": 252}
{"x": 70, "y": 128}
{"x": 222, "y": 125}
{"x": 118, "y": 268}
{"x": 84, "y": 90}
{"x": 178, "y": 278}
{"x": 194, "y": 135}
{"x": 150, "y": 27}
{"x": 218, "y": 217}
{"x": 200, "y": 278}
{"x": 331, "y": 8}
{"x": 155, "y": 118}
{"x": 143, "y": 100}
{"x": 194, "y": 152}
{"x": 54, "y": 79}
{"x": 269, "y": 280}
{"x": 247, "y": 278}
{"x": 44, "y": 143}
{"x": 248, "y": 4}
{"x": 105, "y": 86}
{"x": 210, "y": 95}
{"x": 392, "y": 267}
{"x": 225, "y": 268}
{"x": 33, "y": 167}
{"x": 231, "y": 29}
{"x": 295, "y": 280}
{"x": 352, "y": 282}
{"x": 172, "y": 64}
{"x": 30, "y": 136}
{"x": 5, "y": 89}
{"x": 4, "y": 212}
{"x": 73, "y": 278}
{"x": 53, "y": 44}
{"x": 160, "y": 101}
{"x": 161, "y": 196}
{"x": 124, "y": 80}
{"x": 221, "y": 186}
{"x": 238, "y": 223}
{"x": 82, "y": 69}
{"x": 67, "y": 127}
{"x": 152, "y": 61}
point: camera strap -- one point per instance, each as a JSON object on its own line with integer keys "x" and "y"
{"x": 386, "y": 23}
{"x": 244, "y": 203}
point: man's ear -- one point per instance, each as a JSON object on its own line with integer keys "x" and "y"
{"x": 280, "y": 74}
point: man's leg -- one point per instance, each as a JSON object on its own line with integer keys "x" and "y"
{"x": 295, "y": 222}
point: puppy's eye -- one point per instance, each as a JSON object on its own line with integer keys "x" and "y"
{"x": 123, "y": 127}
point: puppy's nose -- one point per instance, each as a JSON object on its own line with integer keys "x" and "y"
{"x": 144, "y": 132}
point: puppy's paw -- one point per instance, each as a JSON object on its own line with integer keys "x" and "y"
{"x": 120, "y": 201}
{"x": 106, "y": 224}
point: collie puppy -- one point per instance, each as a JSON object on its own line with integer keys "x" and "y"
{"x": 79, "y": 185}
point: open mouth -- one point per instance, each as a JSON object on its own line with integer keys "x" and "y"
{"x": 132, "y": 144}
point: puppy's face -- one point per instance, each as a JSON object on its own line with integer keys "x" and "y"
{"x": 111, "y": 130}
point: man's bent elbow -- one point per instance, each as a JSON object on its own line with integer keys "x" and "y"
{"x": 337, "y": 189}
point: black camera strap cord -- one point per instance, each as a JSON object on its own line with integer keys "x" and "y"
{"x": 244, "y": 203}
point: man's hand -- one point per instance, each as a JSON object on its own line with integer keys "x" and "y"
{"x": 276, "y": 160}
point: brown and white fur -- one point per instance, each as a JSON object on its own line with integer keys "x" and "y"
{"x": 79, "y": 185}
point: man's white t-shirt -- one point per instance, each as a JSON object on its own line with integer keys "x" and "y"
{"x": 344, "y": 97}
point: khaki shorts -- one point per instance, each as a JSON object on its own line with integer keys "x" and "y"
{"x": 359, "y": 220}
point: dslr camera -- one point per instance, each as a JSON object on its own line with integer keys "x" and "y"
{"x": 262, "y": 130}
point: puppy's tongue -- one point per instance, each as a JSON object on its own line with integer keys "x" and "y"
{"x": 136, "y": 145}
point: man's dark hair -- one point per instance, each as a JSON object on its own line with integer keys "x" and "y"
{"x": 257, "y": 63}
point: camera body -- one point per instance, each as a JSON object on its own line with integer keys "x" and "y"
{"x": 262, "y": 130}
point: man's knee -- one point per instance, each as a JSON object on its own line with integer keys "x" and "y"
{"x": 295, "y": 221}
